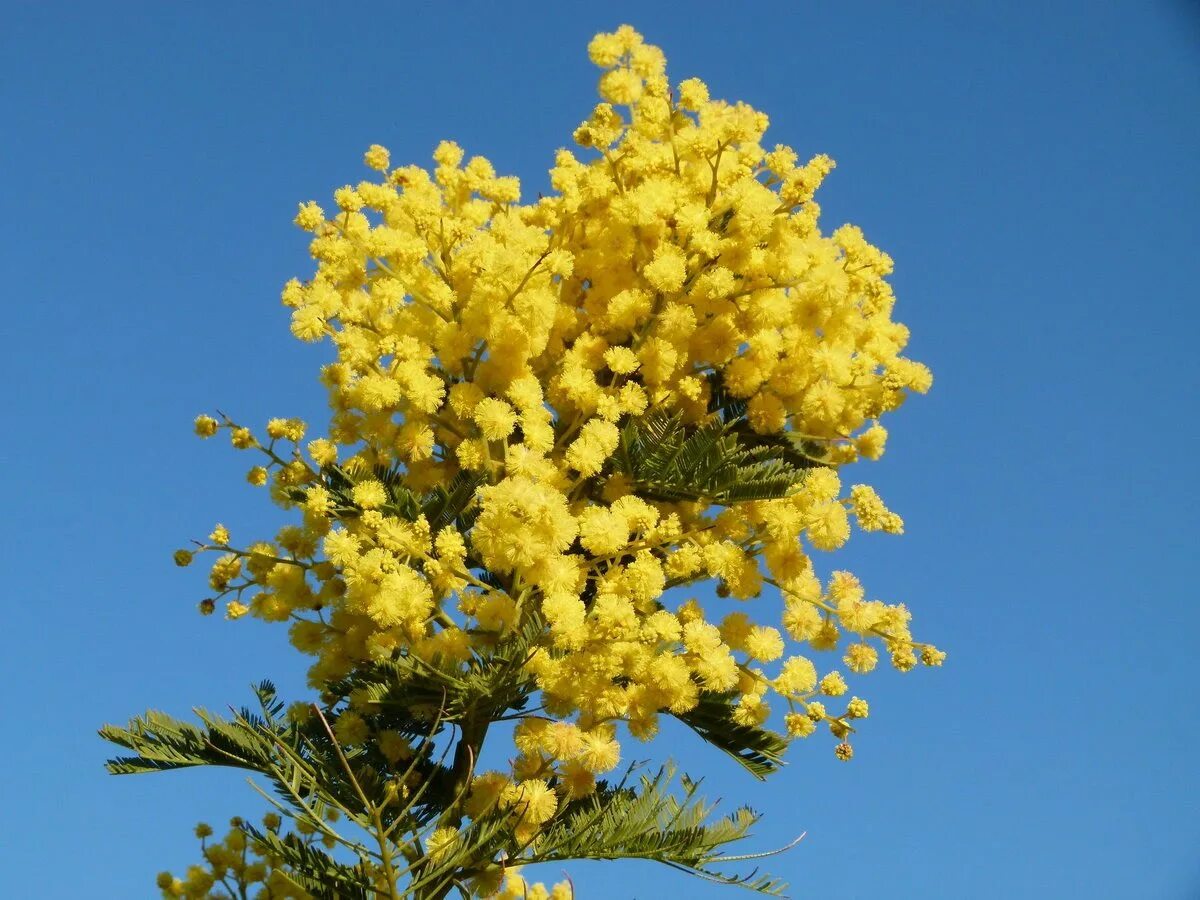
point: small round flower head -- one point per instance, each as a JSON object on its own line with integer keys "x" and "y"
{"x": 861, "y": 658}
{"x": 764, "y": 643}
{"x": 844, "y": 752}
{"x": 310, "y": 217}
{"x": 605, "y": 50}
{"x": 931, "y": 656}
{"x": 693, "y": 94}
{"x": 243, "y": 438}
{"x": 667, "y": 271}
{"x": 205, "y": 426}
{"x": 278, "y": 429}
{"x": 531, "y": 801}
{"x": 370, "y": 494}
{"x": 495, "y": 418}
{"x": 833, "y": 685}
{"x": 377, "y": 158}
{"x": 621, "y": 360}
{"x": 799, "y": 726}
{"x": 827, "y": 636}
{"x": 351, "y": 728}
{"x": 323, "y": 452}
{"x": 348, "y": 199}
{"x": 870, "y": 443}
{"x": 441, "y": 842}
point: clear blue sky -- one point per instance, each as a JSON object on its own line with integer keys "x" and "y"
{"x": 1034, "y": 168}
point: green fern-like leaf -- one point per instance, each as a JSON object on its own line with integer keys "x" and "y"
{"x": 312, "y": 869}
{"x": 301, "y": 764}
{"x": 449, "y": 505}
{"x": 720, "y": 461}
{"x": 649, "y": 821}
{"x": 759, "y": 750}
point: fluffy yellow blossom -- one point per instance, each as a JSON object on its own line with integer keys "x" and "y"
{"x": 667, "y": 270}
{"x": 857, "y": 708}
{"x": 243, "y": 438}
{"x": 621, "y": 360}
{"x": 521, "y": 523}
{"x": 931, "y": 656}
{"x": 495, "y": 418}
{"x": 871, "y": 442}
{"x": 861, "y": 657}
{"x": 798, "y": 676}
{"x": 693, "y": 94}
{"x": 799, "y": 726}
{"x": 599, "y": 753}
{"x": 531, "y": 801}
{"x": 872, "y": 515}
{"x": 310, "y": 217}
{"x": 377, "y": 157}
{"x": 441, "y": 843}
{"x": 833, "y": 684}
{"x": 206, "y": 426}
{"x": 370, "y": 494}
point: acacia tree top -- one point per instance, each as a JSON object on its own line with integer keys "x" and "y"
{"x": 546, "y": 415}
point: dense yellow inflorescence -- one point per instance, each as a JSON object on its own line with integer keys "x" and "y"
{"x": 235, "y": 866}
{"x": 477, "y": 333}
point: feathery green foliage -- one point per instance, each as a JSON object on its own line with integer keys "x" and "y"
{"x": 717, "y": 462}
{"x": 312, "y": 776}
{"x": 760, "y": 750}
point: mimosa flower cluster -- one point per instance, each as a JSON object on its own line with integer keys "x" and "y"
{"x": 503, "y": 344}
{"x": 233, "y": 867}
{"x": 240, "y": 866}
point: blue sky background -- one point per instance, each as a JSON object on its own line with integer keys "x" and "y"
{"x": 1032, "y": 167}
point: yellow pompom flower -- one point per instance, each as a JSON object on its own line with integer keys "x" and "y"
{"x": 833, "y": 685}
{"x": 441, "y": 843}
{"x": 870, "y": 443}
{"x": 861, "y": 658}
{"x": 621, "y": 360}
{"x": 693, "y": 94}
{"x": 495, "y": 418}
{"x": 206, "y": 426}
{"x": 370, "y": 494}
{"x": 667, "y": 271}
{"x": 600, "y": 753}
{"x": 310, "y": 217}
{"x": 799, "y": 726}
{"x": 377, "y": 158}
{"x": 532, "y": 801}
